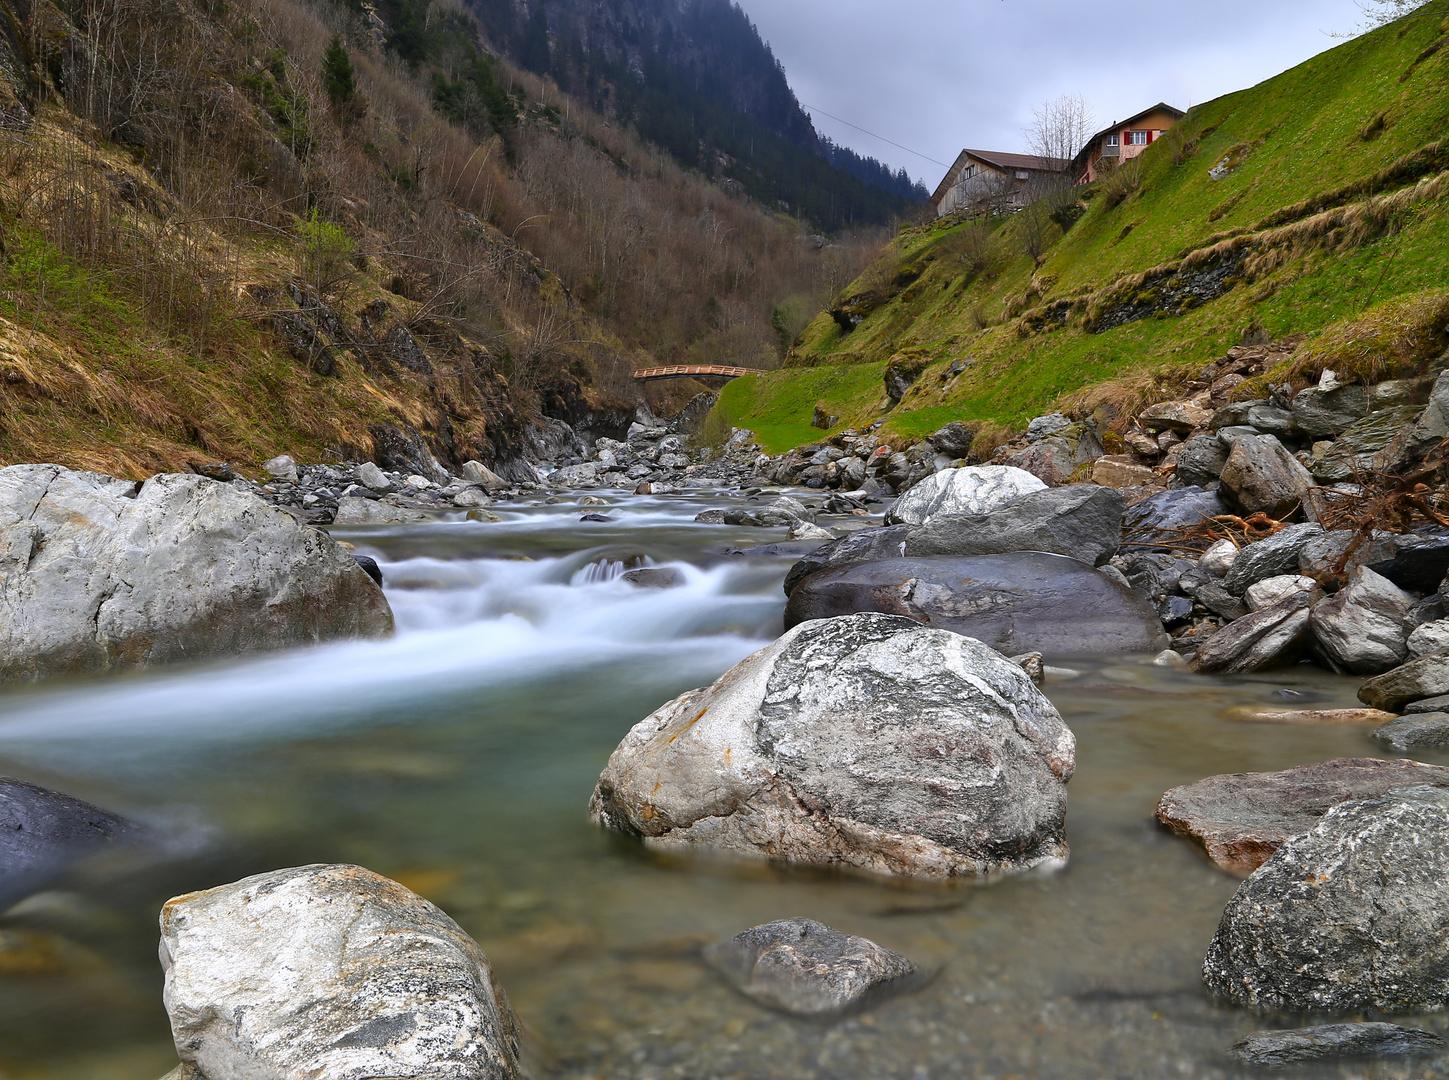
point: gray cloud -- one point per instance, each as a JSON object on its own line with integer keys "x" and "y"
{"x": 937, "y": 75}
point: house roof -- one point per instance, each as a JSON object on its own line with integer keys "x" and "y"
{"x": 1000, "y": 160}
{"x": 1161, "y": 106}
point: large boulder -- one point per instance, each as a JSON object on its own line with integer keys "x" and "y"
{"x": 1364, "y": 627}
{"x": 1200, "y": 461}
{"x": 953, "y": 440}
{"x": 1416, "y": 731}
{"x": 1326, "y": 412}
{"x": 868, "y": 741}
{"x": 1240, "y": 819}
{"x": 865, "y": 545}
{"x": 98, "y": 573}
{"x": 1431, "y": 428}
{"x": 1352, "y": 453}
{"x": 43, "y": 833}
{"x": 1024, "y": 601}
{"x": 975, "y": 489}
{"x": 1261, "y": 476}
{"x": 1081, "y": 520}
{"x": 333, "y": 973}
{"x": 1353, "y": 914}
{"x": 1055, "y": 457}
{"x": 1270, "y": 557}
{"x": 807, "y": 968}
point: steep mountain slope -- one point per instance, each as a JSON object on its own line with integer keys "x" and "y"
{"x": 694, "y": 77}
{"x": 1314, "y": 203}
{"x": 233, "y": 229}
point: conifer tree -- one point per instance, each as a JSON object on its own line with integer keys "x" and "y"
{"x": 338, "y": 75}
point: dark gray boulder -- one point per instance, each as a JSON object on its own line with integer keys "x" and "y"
{"x": 866, "y": 545}
{"x": 1324, "y": 413}
{"x": 867, "y": 741}
{"x": 1352, "y": 453}
{"x": 1279, "y": 1049}
{"x": 663, "y": 577}
{"x": 1240, "y": 819}
{"x": 1414, "y": 731}
{"x": 1083, "y": 521}
{"x": 1270, "y": 557}
{"x": 1429, "y": 430}
{"x": 804, "y": 967}
{"x": 1162, "y": 516}
{"x": 1261, "y": 476}
{"x": 1439, "y": 703}
{"x": 953, "y": 440}
{"x": 1024, "y": 601}
{"x": 1353, "y": 914}
{"x": 1269, "y": 637}
{"x": 1410, "y": 561}
{"x": 1200, "y": 461}
{"x": 43, "y": 833}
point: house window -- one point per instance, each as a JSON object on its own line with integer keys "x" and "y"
{"x": 1137, "y": 138}
{"x": 969, "y": 173}
{"x": 1112, "y": 139}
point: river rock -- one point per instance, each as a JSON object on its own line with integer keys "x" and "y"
{"x": 976, "y": 489}
{"x": 1119, "y": 471}
{"x": 43, "y": 833}
{"x": 865, "y": 545}
{"x": 867, "y": 741}
{"x": 333, "y": 973}
{"x": 1200, "y": 461}
{"x": 1257, "y": 714}
{"x": 1218, "y": 559}
{"x": 282, "y": 467}
{"x": 1270, "y": 557}
{"x": 1271, "y": 637}
{"x": 370, "y": 476}
{"x": 954, "y": 440}
{"x": 1261, "y": 476}
{"x": 1042, "y": 426}
{"x": 98, "y": 574}
{"x": 1414, "y": 731}
{"x": 1429, "y": 638}
{"x": 804, "y": 967}
{"x": 1410, "y": 561}
{"x": 1439, "y": 703}
{"x": 470, "y": 497}
{"x": 784, "y": 511}
{"x": 1178, "y": 416}
{"x": 1024, "y": 601}
{"x": 353, "y": 510}
{"x": 1081, "y": 520}
{"x": 1352, "y": 453}
{"x": 1240, "y": 819}
{"x": 1163, "y": 516}
{"x": 1353, "y": 914}
{"x": 1426, "y": 677}
{"x": 662, "y": 577}
{"x": 1274, "y": 421}
{"x": 1270, "y": 590}
{"x": 1326, "y": 412}
{"x": 1431, "y": 428}
{"x": 1279, "y": 1049}
{"x": 1364, "y": 627}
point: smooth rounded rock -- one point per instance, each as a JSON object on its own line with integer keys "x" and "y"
{"x": 1352, "y": 914}
{"x": 1083, "y": 521}
{"x": 330, "y": 973}
{"x": 867, "y": 741}
{"x": 1280, "y": 1049}
{"x": 977, "y": 489}
{"x": 1414, "y": 731}
{"x": 102, "y": 574}
{"x": 1426, "y": 677}
{"x": 43, "y": 833}
{"x": 1024, "y": 601}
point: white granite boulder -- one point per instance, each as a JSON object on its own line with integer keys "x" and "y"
{"x": 974, "y": 489}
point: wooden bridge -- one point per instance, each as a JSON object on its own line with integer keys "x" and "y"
{"x": 693, "y": 371}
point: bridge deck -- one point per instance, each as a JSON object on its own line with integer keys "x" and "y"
{"x": 690, "y": 371}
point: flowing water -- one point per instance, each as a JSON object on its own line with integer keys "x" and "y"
{"x": 459, "y": 757}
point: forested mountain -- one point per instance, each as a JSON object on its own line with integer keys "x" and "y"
{"x": 694, "y": 77}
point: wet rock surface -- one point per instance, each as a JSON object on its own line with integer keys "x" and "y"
{"x": 804, "y": 967}
{"x": 866, "y": 741}
{"x": 1407, "y": 683}
{"x": 1240, "y": 819}
{"x": 1082, "y": 521}
{"x": 1280, "y": 1049}
{"x": 1270, "y": 637}
{"x": 1414, "y": 731}
{"x": 1364, "y": 628}
{"x": 332, "y": 972}
{"x": 43, "y": 833}
{"x": 971, "y": 490}
{"x": 102, "y": 574}
{"x": 1020, "y": 602}
{"x": 1352, "y": 914}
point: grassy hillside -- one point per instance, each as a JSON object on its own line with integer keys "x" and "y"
{"x": 1316, "y": 200}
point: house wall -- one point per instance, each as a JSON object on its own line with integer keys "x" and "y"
{"x": 1157, "y": 123}
{"x": 984, "y": 182}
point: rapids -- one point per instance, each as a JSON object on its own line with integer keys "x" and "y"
{"x": 459, "y": 757}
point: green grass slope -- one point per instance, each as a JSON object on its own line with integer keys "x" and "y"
{"x": 1330, "y": 219}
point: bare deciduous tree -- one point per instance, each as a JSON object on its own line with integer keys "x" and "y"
{"x": 1061, "y": 127}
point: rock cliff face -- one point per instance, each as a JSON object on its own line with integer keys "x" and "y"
{"x": 98, "y": 573}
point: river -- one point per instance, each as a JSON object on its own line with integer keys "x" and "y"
{"x": 459, "y": 757}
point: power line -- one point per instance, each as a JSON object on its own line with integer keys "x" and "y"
{"x": 873, "y": 135}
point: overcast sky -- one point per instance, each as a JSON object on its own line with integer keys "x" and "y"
{"x": 940, "y": 75}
